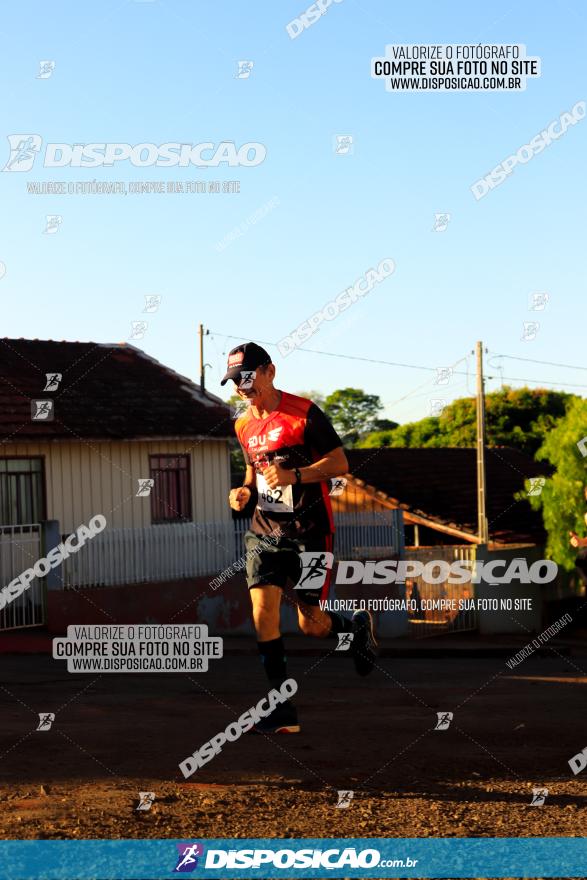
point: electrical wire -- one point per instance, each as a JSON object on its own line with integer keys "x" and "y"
{"x": 412, "y": 366}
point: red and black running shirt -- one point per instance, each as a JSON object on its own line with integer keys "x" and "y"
{"x": 294, "y": 435}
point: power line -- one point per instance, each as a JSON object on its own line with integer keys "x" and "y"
{"x": 351, "y": 357}
{"x": 512, "y": 357}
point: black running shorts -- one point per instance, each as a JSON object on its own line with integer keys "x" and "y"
{"x": 306, "y": 562}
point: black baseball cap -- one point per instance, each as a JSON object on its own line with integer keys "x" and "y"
{"x": 247, "y": 356}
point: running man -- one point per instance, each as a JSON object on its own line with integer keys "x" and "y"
{"x": 291, "y": 453}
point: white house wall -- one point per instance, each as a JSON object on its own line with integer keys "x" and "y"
{"x": 90, "y": 477}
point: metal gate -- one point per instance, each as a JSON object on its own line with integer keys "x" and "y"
{"x": 428, "y": 622}
{"x": 20, "y": 548}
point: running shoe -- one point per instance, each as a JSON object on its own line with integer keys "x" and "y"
{"x": 283, "y": 719}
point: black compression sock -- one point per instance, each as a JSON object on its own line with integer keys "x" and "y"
{"x": 274, "y": 661}
{"x": 339, "y": 624}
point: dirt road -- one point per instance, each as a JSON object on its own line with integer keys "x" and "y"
{"x": 116, "y": 735}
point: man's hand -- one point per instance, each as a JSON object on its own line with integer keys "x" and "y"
{"x": 276, "y": 476}
{"x": 239, "y": 498}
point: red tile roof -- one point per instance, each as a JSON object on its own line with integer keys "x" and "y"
{"x": 441, "y": 485}
{"x": 108, "y": 391}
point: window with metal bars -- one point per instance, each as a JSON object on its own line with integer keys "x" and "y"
{"x": 170, "y": 496}
{"x": 22, "y": 491}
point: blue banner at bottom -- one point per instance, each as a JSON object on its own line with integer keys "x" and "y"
{"x": 289, "y": 858}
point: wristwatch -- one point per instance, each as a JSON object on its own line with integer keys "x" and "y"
{"x": 298, "y": 476}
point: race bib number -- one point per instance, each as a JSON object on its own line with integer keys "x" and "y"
{"x": 278, "y": 500}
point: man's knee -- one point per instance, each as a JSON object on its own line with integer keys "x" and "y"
{"x": 265, "y": 612}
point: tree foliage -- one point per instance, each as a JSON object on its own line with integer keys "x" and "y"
{"x": 562, "y": 499}
{"x": 514, "y": 417}
{"x": 352, "y": 412}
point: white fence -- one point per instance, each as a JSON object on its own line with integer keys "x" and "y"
{"x": 20, "y": 547}
{"x": 153, "y": 553}
{"x": 182, "y": 550}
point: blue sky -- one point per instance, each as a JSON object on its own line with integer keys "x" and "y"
{"x": 164, "y": 71}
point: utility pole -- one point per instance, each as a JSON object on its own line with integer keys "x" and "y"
{"x": 202, "y": 364}
{"x": 483, "y": 528}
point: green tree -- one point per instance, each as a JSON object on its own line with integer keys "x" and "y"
{"x": 385, "y": 425}
{"x": 562, "y": 499}
{"x": 352, "y": 412}
{"x": 514, "y": 417}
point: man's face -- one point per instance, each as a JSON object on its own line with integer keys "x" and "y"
{"x": 259, "y": 386}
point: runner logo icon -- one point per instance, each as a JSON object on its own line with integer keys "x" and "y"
{"x": 539, "y": 796}
{"x": 315, "y": 568}
{"x": 188, "y": 857}
{"x": 46, "y": 719}
{"x": 444, "y": 719}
